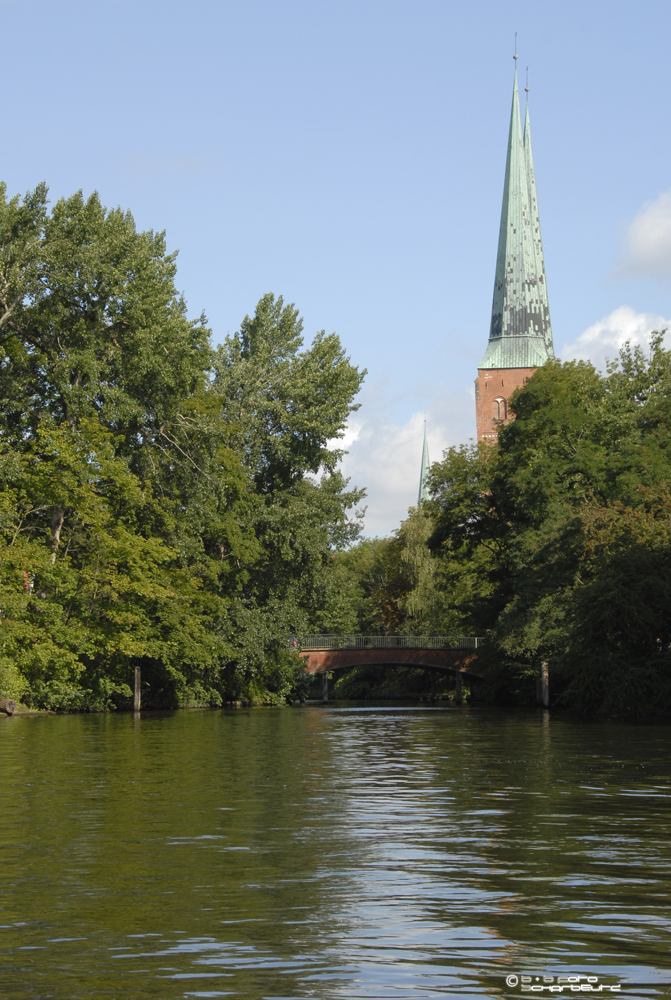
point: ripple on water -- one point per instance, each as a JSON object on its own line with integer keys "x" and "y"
{"x": 359, "y": 852}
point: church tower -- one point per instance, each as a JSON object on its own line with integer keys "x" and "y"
{"x": 520, "y": 335}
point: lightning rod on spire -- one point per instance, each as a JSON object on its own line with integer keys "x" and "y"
{"x": 515, "y": 56}
{"x": 527, "y": 86}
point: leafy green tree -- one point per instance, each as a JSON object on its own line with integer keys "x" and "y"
{"x": 362, "y": 574}
{"x": 160, "y": 504}
{"x": 397, "y": 585}
{"x": 77, "y": 613}
{"x": 570, "y": 507}
{"x": 285, "y": 405}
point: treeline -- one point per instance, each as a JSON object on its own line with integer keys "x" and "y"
{"x": 162, "y": 503}
{"x": 178, "y": 507}
{"x": 555, "y": 544}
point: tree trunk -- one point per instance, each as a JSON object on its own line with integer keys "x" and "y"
{"x": 8, "y": 706}
{"x": 56, "y": 525}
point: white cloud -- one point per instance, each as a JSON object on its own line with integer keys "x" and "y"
{"x": 647, "y": 245}
{"x": 385, "y": 454}
{"x": 604, "y": 338}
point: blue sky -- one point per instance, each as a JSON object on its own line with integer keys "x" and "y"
{"x": 350, "y": 156}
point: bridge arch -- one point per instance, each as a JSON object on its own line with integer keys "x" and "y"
{"x": 446, "y": 660}
{"x": 323, "y": 654}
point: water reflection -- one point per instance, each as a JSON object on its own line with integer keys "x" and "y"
{"x": 361, "y": 853}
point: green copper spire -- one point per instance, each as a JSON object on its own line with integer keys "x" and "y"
{"x": 536, "y": 235}
{"x": 520, "y": 335}
{"x": 423, "y": 485}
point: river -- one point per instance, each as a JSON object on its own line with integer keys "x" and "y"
{"x": 332, "y": 852}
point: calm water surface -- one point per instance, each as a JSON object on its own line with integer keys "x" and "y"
{"x": 355, "y": 852}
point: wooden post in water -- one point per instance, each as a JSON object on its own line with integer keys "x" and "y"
{"x": 325, "y": 688}
{"x": 545, "y": 685}
{"x": 137, "y": 694}
{"x": 457, "y": 687}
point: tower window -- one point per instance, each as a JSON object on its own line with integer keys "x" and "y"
{"x": 499, "y": 409}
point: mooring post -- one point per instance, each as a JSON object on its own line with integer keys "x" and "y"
{"x": 545, "y": 685}
{"x": 137, "y": 694}
{"x": 457, "y": 687}
{"x": 325, "y": 688}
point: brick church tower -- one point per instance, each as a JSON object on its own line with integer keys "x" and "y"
{"x": 520, "y": 336}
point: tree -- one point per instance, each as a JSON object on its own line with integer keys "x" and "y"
{"x": 285, "y": 406}
{"x": 159, "y": 504}
{"x": 101, "y": 375}
{"x": 571, "y": 504}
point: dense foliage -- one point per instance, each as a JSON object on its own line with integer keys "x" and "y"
{"x": 555, "y": 544}
{"x": 177, "y": 507}
{"x": 396, "y": 585}
{"x": 162, "y": 503}
{"x": 568, "y": 520}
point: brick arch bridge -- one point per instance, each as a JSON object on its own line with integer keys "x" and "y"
{"x": 322, "y": 653}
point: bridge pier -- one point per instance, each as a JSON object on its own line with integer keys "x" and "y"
{"x": 325, "y": 687}
{"x": 457, "y": 687}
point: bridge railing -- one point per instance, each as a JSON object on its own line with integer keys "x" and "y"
{"x": 389, "y": 642}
